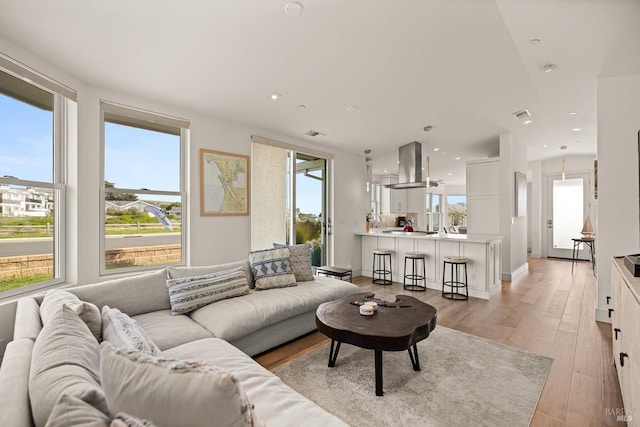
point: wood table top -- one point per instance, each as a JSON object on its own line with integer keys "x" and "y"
{"x": 396, "y": 326}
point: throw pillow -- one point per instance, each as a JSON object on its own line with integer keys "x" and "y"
{"x": 65, "y": 360}
{"x": 89, "y": 313}
{"x": 124, "y": 331}
{"x": 188, "y": 293}
{"x": 300, "y": 258}
{"x": 75, "y": 411}
{"x": 271, "y": 268}
{"x": 180, "y": 272}
{"x": 172, "y": 392}
{"x": 125, "y": 420}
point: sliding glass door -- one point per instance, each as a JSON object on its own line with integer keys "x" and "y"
{"x": 290, "y": 200}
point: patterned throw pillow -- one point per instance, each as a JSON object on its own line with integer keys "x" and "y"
{"x": 188, "y": 293}
{"x": 173, "y": 392}
{"x": 271, "y": 268}
{"x": 300, "y": 258}
{"x": 125, "y": 420}
{"x": 123, "y": 331}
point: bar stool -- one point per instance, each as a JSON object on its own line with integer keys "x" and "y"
{"x": 415, "y": 278}
{"x": 455, "y": 283}
{"x": 380, "y": 266}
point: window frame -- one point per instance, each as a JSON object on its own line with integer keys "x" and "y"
{"x": 447, "y": 208}
{"x": 160, "y": 123}
{"x": 62, "y": 95}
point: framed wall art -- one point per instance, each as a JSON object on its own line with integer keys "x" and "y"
{"x": 224, "y": 183}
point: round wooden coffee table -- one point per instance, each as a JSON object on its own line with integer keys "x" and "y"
{"x": 397, "y": 326}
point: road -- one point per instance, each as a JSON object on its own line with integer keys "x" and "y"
{"x": 43, "y": 245}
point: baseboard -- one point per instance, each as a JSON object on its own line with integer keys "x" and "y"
{"x": 602, "y": 315}
{"x": 509, "y": 277}
{"x": 536, "y": 256}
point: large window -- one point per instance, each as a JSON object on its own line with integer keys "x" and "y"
{"x": 32, "y": 189}
{"x": 433, "y": 212}
{"x": 143, "y": 197}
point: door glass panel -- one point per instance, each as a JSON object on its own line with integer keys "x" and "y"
{"x": 310, "y": 197}
{"x": 568, "y": 210}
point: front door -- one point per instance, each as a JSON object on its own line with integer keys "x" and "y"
{"x": 567, "y": 208}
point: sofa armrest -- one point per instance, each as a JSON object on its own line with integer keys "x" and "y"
{"x": 27, "y": 322}
{"x": 14, "y": 384}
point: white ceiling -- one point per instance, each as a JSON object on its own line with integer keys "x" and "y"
{"x": 462, "y": 66}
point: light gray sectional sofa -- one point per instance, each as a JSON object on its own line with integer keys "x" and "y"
{"x": 225, "y": 334}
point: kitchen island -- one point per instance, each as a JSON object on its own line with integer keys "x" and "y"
{"x": 483, "y": 253}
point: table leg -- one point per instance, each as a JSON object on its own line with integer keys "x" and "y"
{"x": 333, "y": 355}
{"x": 413, "y": 355}
{"x": 378, "y": 360}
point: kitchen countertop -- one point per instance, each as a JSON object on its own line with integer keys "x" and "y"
{"x": 471, "y": 238}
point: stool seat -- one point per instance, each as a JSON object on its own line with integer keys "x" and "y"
{"x": 415, "y": 255}
{"x": 382, "y": 251}
{"x": 455, "y": 259}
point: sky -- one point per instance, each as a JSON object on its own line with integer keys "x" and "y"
{"x": 134, "y": 158}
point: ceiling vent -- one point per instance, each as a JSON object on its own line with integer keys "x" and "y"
{"x": 312, "y": 132}
{"x": 522, "y": 114}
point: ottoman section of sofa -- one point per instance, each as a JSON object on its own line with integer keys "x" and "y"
{"x": 233, "y": 318}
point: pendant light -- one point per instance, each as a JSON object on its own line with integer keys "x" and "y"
{"x": 427, "y": 129}
{"x": 564, "y": 147}
{"x": 369, "y": 166}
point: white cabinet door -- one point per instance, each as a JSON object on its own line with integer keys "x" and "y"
{"x": 369, "y": 243}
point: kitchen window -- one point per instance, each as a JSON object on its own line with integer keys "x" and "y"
{"x": 433, "y": 212}
{"x": 143, "y": 198}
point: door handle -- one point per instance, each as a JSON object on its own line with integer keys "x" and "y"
{"x": 616, "y": 331}
{"x": 622, "y": 356}
{"x": 608, "y": 300}
{"x": 610, "y": 311}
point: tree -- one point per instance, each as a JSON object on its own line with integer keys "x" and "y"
{"x": 457, "y": 215}
{"x": 127, "y": 197}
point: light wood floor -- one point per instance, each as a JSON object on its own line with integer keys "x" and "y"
{"x": 546, "y": 311}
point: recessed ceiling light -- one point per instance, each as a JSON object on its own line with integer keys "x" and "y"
{"x": 527, "y": 122}
{"x": 386, "y": 170}
{"x": 301, "y": 107}
{"x": 578, "y": 142}
{"x": 397, "y": 162}
{"x": 544, "y": 146}
{"x": 450, "y": 174}
{"x": 547, "y": 68}
{"x": 458, "y": 158}
{"x": 275, "y": 96}
{"x": 576, "y": 129}
{"x": 572, "y": 113}
{"x": 293, "y": 8}
{"x": 352, "y": 108}
{"x": 436, "y": 149}
{"x": 534, "y": 41}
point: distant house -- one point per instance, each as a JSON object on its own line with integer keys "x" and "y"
{"x": 18, "y": 202}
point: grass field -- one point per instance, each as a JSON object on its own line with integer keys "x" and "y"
{"x": 18, "y": 282}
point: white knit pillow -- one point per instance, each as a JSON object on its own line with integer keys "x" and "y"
{"x": 124, "y": 331}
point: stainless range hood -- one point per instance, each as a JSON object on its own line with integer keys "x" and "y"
{"x": 410, "y": 168}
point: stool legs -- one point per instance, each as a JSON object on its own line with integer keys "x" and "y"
{"x": 381, "y": 270}
{"x": 414, "y": 277}
{"x": 455, "y": 283}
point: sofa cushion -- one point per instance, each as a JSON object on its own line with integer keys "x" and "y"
{"x": 276, "y": 404}
{"x": 75, "y": 411}
{"x": 123, "y": 331}
{"x": 89, "y": 313}
{"x": 172, "y": 392}
{"x": 300, "y": 258}
{"x": 123, "y": 419}
{"x": 271, "y": 268}
{"x": 133, "y": 295}
{"x": 65, "y": 360}
{"x": 188, "y": 293}
{"x": 27, "y": 323}
{"x": 260, "y": 309}
{"x": 167, "y": 330}
{"x": 14, "y": 383}
{"x": 178, "y": 272}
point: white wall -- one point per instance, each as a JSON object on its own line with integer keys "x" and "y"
{"x": 618, "y": 215}
{"x": 211, "y": 240}
{"x": 513, "y": 158}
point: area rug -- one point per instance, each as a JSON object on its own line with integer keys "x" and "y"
{"x": 465, "y": 381}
